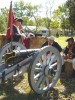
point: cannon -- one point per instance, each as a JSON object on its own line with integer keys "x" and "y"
{"x": 43, "y": 65}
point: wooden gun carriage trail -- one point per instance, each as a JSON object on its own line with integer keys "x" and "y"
{"x": 43, "y": 72}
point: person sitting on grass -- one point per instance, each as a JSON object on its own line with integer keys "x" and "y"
{"x": 69, "y": 52}
{"x": 51, "y": 41}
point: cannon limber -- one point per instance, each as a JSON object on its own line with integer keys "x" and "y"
{"x": 43, "y": 70}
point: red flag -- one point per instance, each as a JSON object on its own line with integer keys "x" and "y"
{"x": 10, "y": 22}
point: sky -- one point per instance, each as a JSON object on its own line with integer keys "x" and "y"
{"x": 56, "y": 3}
{"x": 6, "y": 3}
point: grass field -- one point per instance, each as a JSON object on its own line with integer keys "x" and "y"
{"x": 20, "y": 89}
{"x": 62, "y": 41}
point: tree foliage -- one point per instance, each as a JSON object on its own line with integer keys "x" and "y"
{"x": 19, "y": 8}
{"x": 27, "y": 12}
{"x": 71, "y": 7}
{"x": 3, "y": 19}
{"x": 49, "y": 6}
{"x": 30, "y": 14}
{"x": 61, "y": 17}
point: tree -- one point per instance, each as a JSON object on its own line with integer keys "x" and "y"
{"x": 27, "y": 21}
{"x": 49, "y": 6}
{"x": 61, "y": 18}
{"x": 56, "y": 20}
{"x": 3, "y": 19}
{"x": 33, "y": 12}
{"x": 19, "y": 9}
{"x": 27, "y": 12}
{"x": 2, "y": 25}
{"x": 71, "y": 6}
{"x": 65, "y": 24}
{"x": 54, "y": 24}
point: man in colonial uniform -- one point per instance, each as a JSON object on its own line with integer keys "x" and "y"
{"x": 16, "y": 33}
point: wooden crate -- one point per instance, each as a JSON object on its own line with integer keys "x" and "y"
{"x": 36, "y": 42}
{"x": 68, "y": 68}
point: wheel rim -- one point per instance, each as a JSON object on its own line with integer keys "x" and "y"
{"x": 7, "y": 48}
{"x": 41, "y": 77}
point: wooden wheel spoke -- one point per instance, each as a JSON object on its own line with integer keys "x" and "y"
{"x": 53, "y": 59}
{"x": 38, "y": 75}
{"x": 44, "y": 57}
{"x": 41, "y": 61}
{"x": 43, "y": 83}
{"x": 49, "y": 57}
{"x": 47, "y": 81}
{"x": 39, "y": 81}
{"x": 38, "y": 69}
{"x": 53, "y": 65}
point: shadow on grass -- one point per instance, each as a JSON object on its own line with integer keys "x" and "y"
{"x": 69, "y": 84}
{"x": 8, "y": 92}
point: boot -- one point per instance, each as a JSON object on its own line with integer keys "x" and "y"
{"x": 63, "y": 68}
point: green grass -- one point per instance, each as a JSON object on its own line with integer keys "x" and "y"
{"x": 20, "y": 89}
{"x": 62, "y": 41}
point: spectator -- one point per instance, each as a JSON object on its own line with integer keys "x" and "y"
{"x": 69, "y": 52}
{"x": 51, "y": 41}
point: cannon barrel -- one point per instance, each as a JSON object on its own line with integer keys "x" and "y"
{"x": 25, "y": 52}
{"x": 20, "y": 53}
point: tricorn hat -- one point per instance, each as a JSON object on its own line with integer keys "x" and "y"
{"x": 70, "y": 39}
{"x": 20, "y": 20}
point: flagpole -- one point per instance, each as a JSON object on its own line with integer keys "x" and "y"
{"x": 9, "y": 34}
{"x": 11, "y": 20}
{"x": 11, "y": 24}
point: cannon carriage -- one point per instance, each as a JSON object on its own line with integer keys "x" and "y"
{"x": 42, "y": 64}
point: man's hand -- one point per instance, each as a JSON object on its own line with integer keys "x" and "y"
{"x": 23, "y": 35}
{"x": 70, "y": 52}
{"x": 66, "y": 56}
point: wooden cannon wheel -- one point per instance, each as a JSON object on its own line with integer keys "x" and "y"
{"x": 45, "y": 70}
{"x": 7, "y": 48}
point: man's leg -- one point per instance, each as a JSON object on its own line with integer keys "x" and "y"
{"x": 63, "y": 66}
